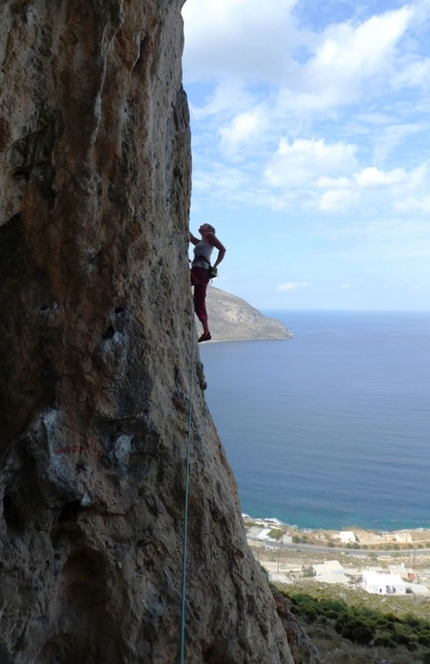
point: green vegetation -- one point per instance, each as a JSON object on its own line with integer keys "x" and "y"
{"x": 326, "y": 618}
{"x": 276, "y": 533}
{"x": 301, "y": 540}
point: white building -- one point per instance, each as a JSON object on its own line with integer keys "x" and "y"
{"x": 347, "y": 537}
{"x": 403, "y": 536}
{"x": 330, "y": 571}
{"x": 383, "y": 583}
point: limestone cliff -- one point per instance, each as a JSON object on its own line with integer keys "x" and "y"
{"x": 95, "y": 346}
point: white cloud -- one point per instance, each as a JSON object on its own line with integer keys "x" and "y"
{"x": 298, "y": 178}
{"x": 413, "y": 204}
{"x": 371, "y": 176}
{"x": 238, "y": 36}
{"x": 379, "y": 240}
{"x": 361, "y": 50}
{"x": 327, "y": 182}
{"x": 381, "y": 191}
{"x": 236, "y": 47}
{"x": 394, "y": 134}
{"x": 303, "y": 161}
{"x": 417, "y": 74}
{"x": 337, "y": 200}
{"x": 228, "y": 97}
{"x": 349, "y": 59}
{"x": 246, "y": 127}
{"x": 292, "y": 285}
{"x": 319, "y": 128}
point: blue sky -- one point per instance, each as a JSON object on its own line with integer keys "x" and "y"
{"x": 311, "y": 148}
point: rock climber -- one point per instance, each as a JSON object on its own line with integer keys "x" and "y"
{"x": 201, "y": 271}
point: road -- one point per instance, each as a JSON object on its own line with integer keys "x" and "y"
{"x": 310, "y": 548}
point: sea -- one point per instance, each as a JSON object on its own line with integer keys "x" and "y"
{"x": 329, "y": 429}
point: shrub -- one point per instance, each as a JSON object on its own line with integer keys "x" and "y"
{"x": 276, "y": 533}
{"x": 391, "y": 619}
{"x": 341, "y": 622}
{"x": 424, "y": 638}
{"x": 330, "y": 614}
{"x": 401, "y": 634}
{"x": 323, "y": 633}
{"x": 334, "y": 605}
{"x": 413, "y": 642}
{"x": 384, "y": 640}
{"x": 308, "y": 572}
{"x": 358, "y": 632}
{"x": 310, "y": 613}
{"x": 412, "y": 620}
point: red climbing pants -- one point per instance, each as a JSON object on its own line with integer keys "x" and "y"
{"x": 200, "y": 280}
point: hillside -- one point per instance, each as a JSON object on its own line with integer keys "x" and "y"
{"x": 233, "y": 319}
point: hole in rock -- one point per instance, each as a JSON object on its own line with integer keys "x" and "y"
{"x": 11, "y": 514}
{"x": 84, "y": 627}
{"x": 4, "y": 657}
{"x": 70, "y": 511}
{"x": 54, "y": 652}
{"x": 109, "y": 332}
{"x": 83, "y": 585}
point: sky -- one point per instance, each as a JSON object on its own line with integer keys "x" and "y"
{"x": 310, "y": 130}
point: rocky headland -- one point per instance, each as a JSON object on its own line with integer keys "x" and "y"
{"x": 233, "y": 319}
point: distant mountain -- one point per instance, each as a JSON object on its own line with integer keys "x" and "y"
{"x": 233, "y": 319}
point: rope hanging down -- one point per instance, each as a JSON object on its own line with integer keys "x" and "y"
{"x": 187, "y": 484}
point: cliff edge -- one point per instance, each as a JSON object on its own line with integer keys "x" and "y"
{"x": 95, "y": 351}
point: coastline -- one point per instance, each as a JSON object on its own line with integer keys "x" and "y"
{"x": 386, "y": 525}
{"x": 278, "y": 522}
{"x": 352, "y": 537}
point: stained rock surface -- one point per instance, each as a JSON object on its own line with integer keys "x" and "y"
{"x": 97, "y": 360}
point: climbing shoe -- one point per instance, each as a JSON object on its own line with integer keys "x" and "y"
{"x": 205, "y": 337}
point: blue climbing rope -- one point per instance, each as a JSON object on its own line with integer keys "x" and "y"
{"x": 187, "y": 484}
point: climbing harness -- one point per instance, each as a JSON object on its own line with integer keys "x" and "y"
{"x": 211, "y": 270}
{"x": 187, "y": 483}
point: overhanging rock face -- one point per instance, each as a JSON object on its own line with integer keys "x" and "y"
{"x": 95, "y": 349}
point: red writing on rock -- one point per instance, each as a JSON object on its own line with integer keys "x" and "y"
{"x": 71, "y": 449}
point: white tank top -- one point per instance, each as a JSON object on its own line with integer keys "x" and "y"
{"x": 204, "y": 250}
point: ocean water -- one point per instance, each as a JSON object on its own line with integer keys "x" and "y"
{"x": 330, "y": 429}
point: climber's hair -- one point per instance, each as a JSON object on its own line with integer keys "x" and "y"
{"x": 210, "y": 228}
